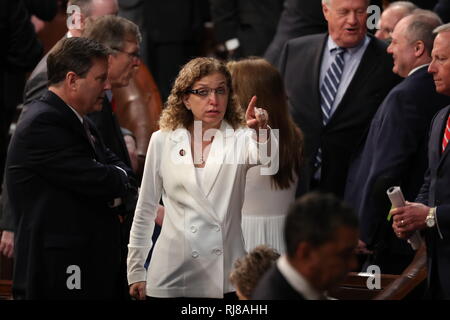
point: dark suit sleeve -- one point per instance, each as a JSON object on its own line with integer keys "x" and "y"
{"x": 54, "y": 153}
{"x": 6, "y": 217}
{"x": 400, "y": 134}
{"x": 23, "y": 48}
{"x": 36, "y": 86}
{"x": 422, "y": 197}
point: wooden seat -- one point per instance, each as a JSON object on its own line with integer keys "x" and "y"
{"x": 393, "y": 287}
{"x": 139, "y": 107}
{"x": 5, "y": 290}
{"x": 354, "y": 287}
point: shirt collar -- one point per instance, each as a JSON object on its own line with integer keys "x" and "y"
{"x": 76, "y": 113}
{"x": 417, "y": 68}
{"x": 297, "y": 280}
{"x": 331, "y": 45}
{"x": 109, "y": 95}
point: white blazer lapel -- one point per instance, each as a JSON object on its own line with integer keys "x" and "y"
{"x": 217, "y": 156}
{"x": 183, "y": 167}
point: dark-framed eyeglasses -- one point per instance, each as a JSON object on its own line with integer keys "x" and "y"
{"x": 205, "y": 92}
{"x": 132, "y": 55}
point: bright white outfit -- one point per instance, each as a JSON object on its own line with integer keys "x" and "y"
{"x": 201, "y": 236}
{"x": 264, "y": 211}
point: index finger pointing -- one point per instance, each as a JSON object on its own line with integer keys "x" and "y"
{"x": 252, "y": 105}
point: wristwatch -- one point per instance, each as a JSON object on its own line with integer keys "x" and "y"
{"x": 431, "y": 218}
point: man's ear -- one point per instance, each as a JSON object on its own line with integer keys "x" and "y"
{"x": 419, "y": 48}
{"x": 71, "y": 79}
{"x": 325, "y": 10}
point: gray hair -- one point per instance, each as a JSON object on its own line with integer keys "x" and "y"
{"x": 421, "y": 26}
{"x": 441, "y": 29}
{"x": 328, "y": 2}
{"x": 112, "y": 31}
{"x": 408, "y": 6}
{"x": 84, "y": 5}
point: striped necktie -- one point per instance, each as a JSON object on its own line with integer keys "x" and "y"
{"x": 328, "y": 91}
{"x": 330, "y": 84}
{"x": 446, "y": 137}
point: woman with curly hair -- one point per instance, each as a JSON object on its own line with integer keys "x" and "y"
{"x": 197, "y": 162}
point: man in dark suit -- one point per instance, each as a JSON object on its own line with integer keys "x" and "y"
{"x": 245, "y": 27}
{"x": 63, "y": 182}
{"x": 335, "y": 82}
{"x": 321, "y": 235}
{"x": 123, "y": 38}
{"x": 431, "y": 212}
{"x": 395, "y": 151}
{"x": 105, "y": 120}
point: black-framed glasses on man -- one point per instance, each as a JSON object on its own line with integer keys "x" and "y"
{"x": 132, "y": 55}
{"x": 205, "y": 92}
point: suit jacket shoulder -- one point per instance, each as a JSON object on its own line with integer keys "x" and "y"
{"x": 273, "y": 286}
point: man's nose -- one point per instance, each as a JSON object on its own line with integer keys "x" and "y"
{"x": 107, "y": 85}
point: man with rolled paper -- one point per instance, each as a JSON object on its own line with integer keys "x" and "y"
{"x": 395, "y": 152}
{"x": 430, "y": 214}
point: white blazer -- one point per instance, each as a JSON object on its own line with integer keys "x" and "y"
{"x": 201, "y": 236}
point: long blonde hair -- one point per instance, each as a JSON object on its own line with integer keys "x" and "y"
{"x": 176, "y": 115}
{"x": 257, "y": 77}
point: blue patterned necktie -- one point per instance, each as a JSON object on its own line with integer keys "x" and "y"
{"x": 328, "y": 91}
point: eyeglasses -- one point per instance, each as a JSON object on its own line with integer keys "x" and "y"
{"x": 205, "y": 92}
{"x": 132, "y": 55}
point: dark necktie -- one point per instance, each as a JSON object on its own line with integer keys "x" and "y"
{"x": 88, "y": 132}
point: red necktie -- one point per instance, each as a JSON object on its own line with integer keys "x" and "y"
{"x": 446, "y": 135}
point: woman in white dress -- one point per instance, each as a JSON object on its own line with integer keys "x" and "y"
{"x": 267, "y": 198}
{"x": 197, "y": 162}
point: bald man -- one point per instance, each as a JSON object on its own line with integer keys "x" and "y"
{"x": 391, "y": 16}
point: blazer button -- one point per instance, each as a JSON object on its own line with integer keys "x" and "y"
{"x": 218, "y": 252}
{"x": 194, "y": 229}
{"x": 218, "y": 228}
{"x": 195, "y": 254}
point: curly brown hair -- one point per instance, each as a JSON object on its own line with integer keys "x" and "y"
{"x": 176, "y": 115}
{"x": 249, "y": 270}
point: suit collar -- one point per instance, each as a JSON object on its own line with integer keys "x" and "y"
{"x": 297, "y": 280}
{"x": 422, "y": 67}
{"x": 54, "y": 101}
{"x": 182, "y": 156}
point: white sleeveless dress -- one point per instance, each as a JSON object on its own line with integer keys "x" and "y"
{"x": 264, "y": 211}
